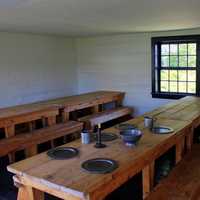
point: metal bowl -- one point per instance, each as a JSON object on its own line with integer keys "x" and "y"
{"x": 131, "y": 136}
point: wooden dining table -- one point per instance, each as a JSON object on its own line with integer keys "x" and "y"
{"x": 67, "y": 180}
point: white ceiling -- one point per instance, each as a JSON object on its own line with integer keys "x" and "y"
{"x": 90, "y": 17}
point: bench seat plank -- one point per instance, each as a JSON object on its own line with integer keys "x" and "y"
{"x": 23, "y": 141}
{"x": 183, "y": 183}
{"x": 105, "y": 116}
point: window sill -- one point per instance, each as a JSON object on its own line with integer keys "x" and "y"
{"x": 169, "y": 96}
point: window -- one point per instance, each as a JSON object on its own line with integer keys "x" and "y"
{"x": 175, "y": 66}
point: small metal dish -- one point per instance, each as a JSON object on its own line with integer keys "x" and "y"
{"x": 62, "y": 153}
{"x": 125, "y": 126}
{"x": 162, "y": 130}
{"x": 100, "y": 165}
{"x": 106, "y": 137}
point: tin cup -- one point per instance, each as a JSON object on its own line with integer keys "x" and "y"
{"x": 85, "y": 137}
{"x": 149, "y": 122}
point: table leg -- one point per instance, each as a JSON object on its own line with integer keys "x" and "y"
{"x": 29, "y": 193}
{"x": 189, "y": 140}
{"x": 179, "y": 150}
{"x": 148, "y": 179}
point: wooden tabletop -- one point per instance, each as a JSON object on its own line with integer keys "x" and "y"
{"x": 187, "y": 109}
{"x": 70, "y": 102}
{"x": 66, "y": 179}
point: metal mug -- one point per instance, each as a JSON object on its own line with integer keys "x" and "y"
{"x": 85, "y": 137}
{"x": 149, "y": 122}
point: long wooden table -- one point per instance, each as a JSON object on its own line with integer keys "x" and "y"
{"x": 65, "y": 178}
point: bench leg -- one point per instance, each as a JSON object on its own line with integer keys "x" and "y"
{"x": 65, "y": 118}
{"x": 119, "y": 103}
{"x": 51, "y": 121}
{"x": 31, "y": 126}
{"x": 11, "y": 157}
{"x": 31, "y": 151}
{"x": 44, "y": 124}
{"x": 9, "y": 132}
{"x": 95, "y": 109}
{"x": 148, "y": 179}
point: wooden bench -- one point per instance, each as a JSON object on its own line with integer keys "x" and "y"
{"x": 29, "y": 141}
{"x": 10, "y": 117}
{"x": 183, "y": 182}
{"x": 91, "y": 121}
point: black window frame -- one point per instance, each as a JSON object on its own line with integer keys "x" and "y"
{"x": 157, "y": 41}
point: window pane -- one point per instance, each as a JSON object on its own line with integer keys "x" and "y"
{"x": 173, "y": 49}
{"x": 173, "y": 86}
{"x": 182, "y": 75}
{"x": 182, "y": 61}
{"x": 191, "y": 61}
{"x": 173, "y": 61}
{"x": 173, "y": 75}
{"x": 182, "y": 49}
{"x": 192, "y": 87}
{"x": 164, "y": 86}
{"x": 165, "y": 61}
{"x": 182, "y": 87}
{"x": 164, "y": 49}
{"x": 164, "y": 75}
{"x": 191, "y": 75}
{"x": 192, "y": 49}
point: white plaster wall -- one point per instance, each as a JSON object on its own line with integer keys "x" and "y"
{"x": 35, "y": 67}
{"x": 120, "y": 62}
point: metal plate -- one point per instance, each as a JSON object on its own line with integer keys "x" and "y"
{"x": 106, "y": 137}
{"x": 62, "y": 153}
{"x": 125, "y": 126}
{"x": 162, "y": 130}
{"x": 100, "y": 165}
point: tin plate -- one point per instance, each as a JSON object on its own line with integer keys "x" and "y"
{"x": 125, "y": 126}
{"x": 100, "y": 165}
{"x": 162, "y": 130}
{"x": 62, "y": 153}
